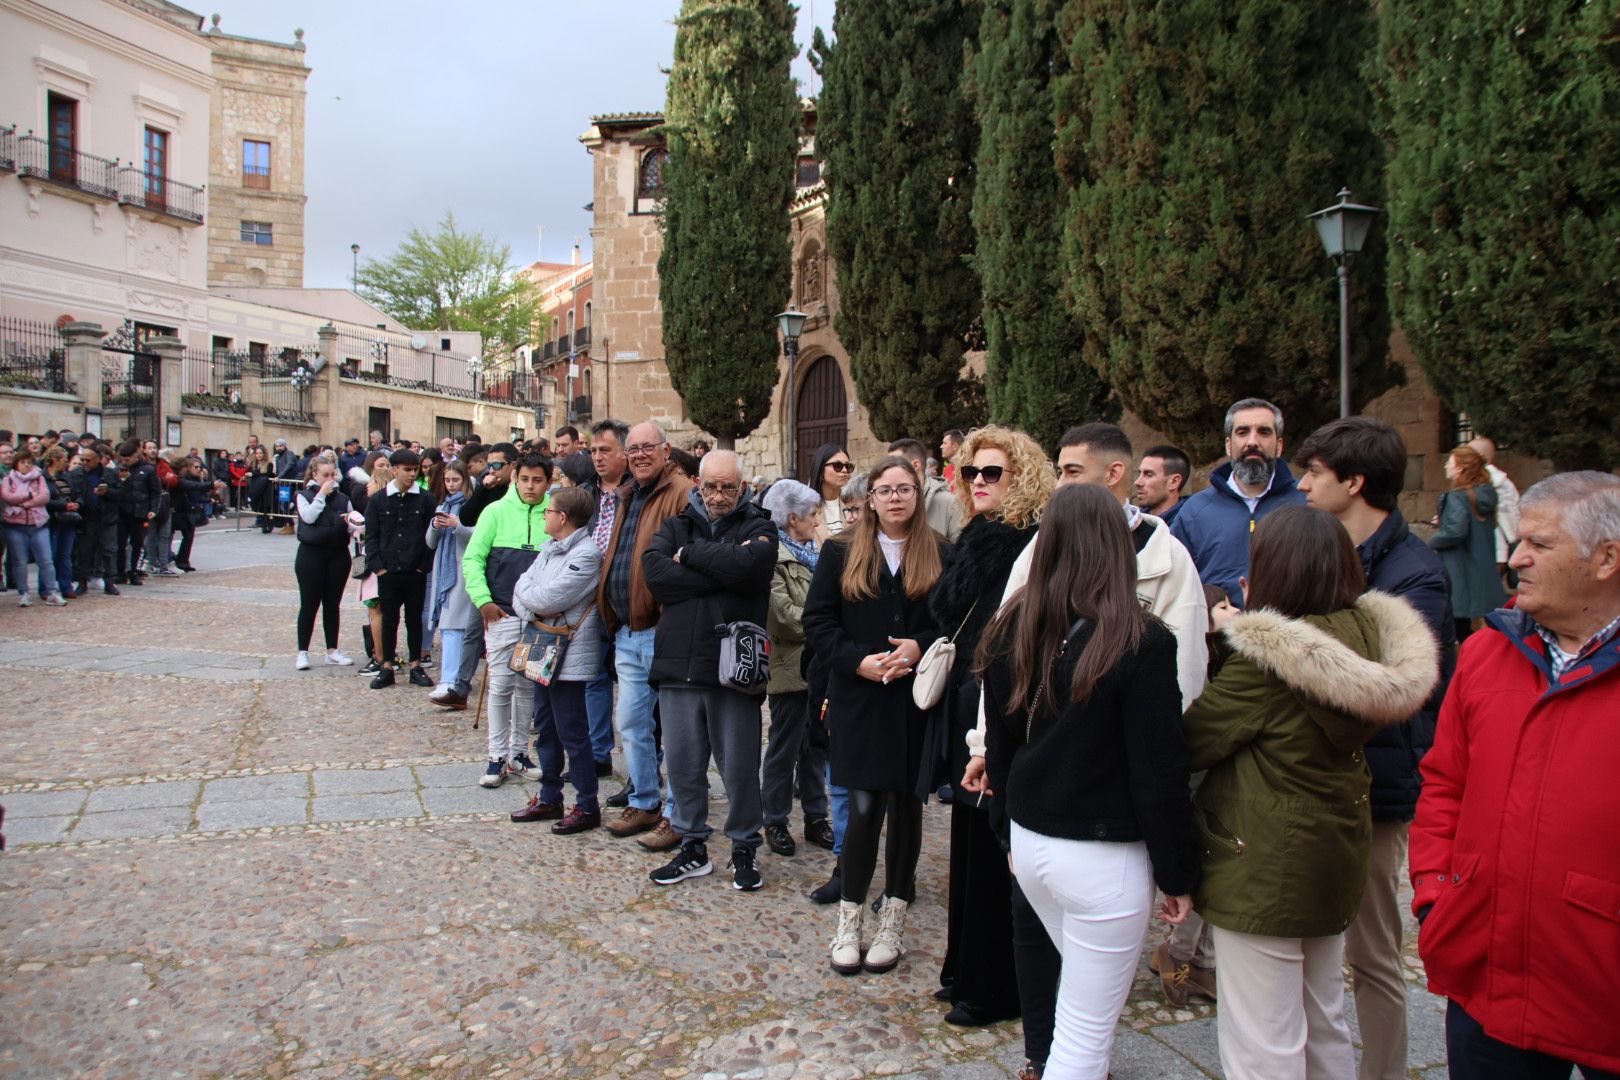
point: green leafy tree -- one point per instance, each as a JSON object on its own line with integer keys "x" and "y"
{"x": 1195, "y": 137}
{"x": 1504, "y": 214}
{"x": 1034, "y": 378}
{"x": 731, "y": 121}
{"x": 897, "y": 136}
{"x": 454, "y": 280}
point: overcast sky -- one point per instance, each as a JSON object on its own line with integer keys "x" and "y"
{"x": 417, "y": 108}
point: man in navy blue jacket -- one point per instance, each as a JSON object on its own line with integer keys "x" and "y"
{"x": 1215, "y": 524}
{"x": 1354, "y": 469}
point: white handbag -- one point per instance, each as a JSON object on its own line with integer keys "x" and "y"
{"x": 934, "y": 669}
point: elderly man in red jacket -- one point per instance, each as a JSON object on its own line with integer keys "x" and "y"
{"x": 1515, "y": 852}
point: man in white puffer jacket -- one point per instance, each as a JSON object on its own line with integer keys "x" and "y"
{"x": 1167, "y": 585}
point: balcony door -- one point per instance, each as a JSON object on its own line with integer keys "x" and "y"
{"x": 157, "y": 168}
{"x": 64, "y": 134}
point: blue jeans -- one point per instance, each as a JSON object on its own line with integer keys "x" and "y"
{"x": 63, "y": 540}
{"x": 25, "y": 540}
{"x": 633, "y": 656}
{"x": 599, "y": 708}
{"x": 838, "y": 808}
{"x": 450, "y": 643}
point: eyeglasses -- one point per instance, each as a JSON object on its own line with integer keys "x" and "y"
{"x": 898, "y": 491}
{"x": 554, "y": 510}
{"x": 643, "y": 449}
{"x": 992, "y": 473}
{"x": 712, "y": 488}
{"x": 851, "y": 513}
{"x": 841, "y": 466}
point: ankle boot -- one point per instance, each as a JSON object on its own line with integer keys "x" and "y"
{"x": 846, "y": 944}
{"x": 885, "y": 951}
{"x": 365, "y": 635}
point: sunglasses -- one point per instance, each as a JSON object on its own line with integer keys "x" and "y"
{"x": 992, "y": 473}
{"x": 841, "y": 466}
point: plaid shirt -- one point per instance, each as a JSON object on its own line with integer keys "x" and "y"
{"x": 1561, "y": 661}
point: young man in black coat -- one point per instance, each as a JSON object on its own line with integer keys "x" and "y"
{"x": 1354, "y": 469}
{"x": 138, "y": 497}
{"x": 397, "y": 552}
{"x": 708, "y": 566}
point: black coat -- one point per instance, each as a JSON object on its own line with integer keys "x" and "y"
{"x": 963, "y": 602}
{"x": 191, "y": 506}
{"x": 877, "y": 733}
{"x": 396, "y": 532}
{"x": 1400, "y": 564}
{"x": 139, "y": 493}
{"x": 724, "y": 575}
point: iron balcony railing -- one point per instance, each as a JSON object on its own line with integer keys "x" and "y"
{"x": 32, "y": 357}
{"x": 64, "y": 165}
{"x": 582, "y": 338}
{"x": 548, "y": 351}
{"x": 8, "y": 148}
{"x": 159, "y": 194}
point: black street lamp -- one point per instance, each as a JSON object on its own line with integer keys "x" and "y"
{"x": 791, "y": 324}
{"x": 1343, "y": 228}
{"x": 354, "y": 274}
{"x": 302, "y": 378}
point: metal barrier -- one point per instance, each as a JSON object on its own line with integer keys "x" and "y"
{"x": 282, "y": 508}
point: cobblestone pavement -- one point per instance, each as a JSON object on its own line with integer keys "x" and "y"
{"x": 224, "y": 867}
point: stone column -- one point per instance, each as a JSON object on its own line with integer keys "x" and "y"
{"x": 171, "y": 385}
{"x": 82, "y": 344}
{"x": 253, "y": 400}
{"x": 323, "y": 394}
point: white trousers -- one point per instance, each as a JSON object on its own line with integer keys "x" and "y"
{"x": 1281, "y": 1014}
{"x": 511, "y": 696}
{"x": 1094, "y": 899}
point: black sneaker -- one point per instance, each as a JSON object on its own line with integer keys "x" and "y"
{"x": 420, "y": 677}
{"x": 692, "y": 860}
{"x": 744, "y": 874}
{"x": 110, "y": 589}
{"x": 779, "y": 840}
{"x": 819, "y": 831}
{"x": 829, "y": 893}
{"x": 383, "y": 680}
{"x": 371, "y": 668}
{"x": 619, "y": 799}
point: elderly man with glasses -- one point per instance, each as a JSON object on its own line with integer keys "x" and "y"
{"x": 654, "y": 492}
{"x": 711, "y": 566}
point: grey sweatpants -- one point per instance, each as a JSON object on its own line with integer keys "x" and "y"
{"x": 699, "y": 721}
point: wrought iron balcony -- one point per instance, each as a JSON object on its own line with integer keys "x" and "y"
{"x": 8, "y": 149}
{"x": 72, "y": 168}
{"x": 582, "y": 338}
{"x": 548, "y": 351}
{"x": 159, "y": 194}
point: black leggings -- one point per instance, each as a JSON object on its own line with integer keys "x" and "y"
{"x": 322, "y": 574}
{"x": 859, "y": 858}
{"x": 1040, "y": 966}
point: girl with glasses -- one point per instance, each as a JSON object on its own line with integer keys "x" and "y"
{"x": 865, "y": 617}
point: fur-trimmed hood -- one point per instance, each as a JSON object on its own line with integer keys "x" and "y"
{"x": 1374, "y": 663}
{"x": 975, "y": 571}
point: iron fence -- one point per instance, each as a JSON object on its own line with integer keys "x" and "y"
{"x": 64, "y": 165}
{"x": 32, "y": 357}
{"x": 386, "y": 360}
{"x": 160, "y": 194}
{"x": 212, "y": 381}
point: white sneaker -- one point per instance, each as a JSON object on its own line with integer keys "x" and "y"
{"x": 302, "y": 663}
{"x": 494, "y": 773}
{"x": 338, "y": 659}
{"x": 95, "y": 583}
{"x": 55, "y": 599}
{"x": 26, "y": 601}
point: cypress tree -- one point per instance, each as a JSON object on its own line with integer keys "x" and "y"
{"x": 1505, "y": 215}
{"x": 731, "y": 121}
{"x": 897, "y": 136}
{"x": 1034, "y": 378}
{"x": 1195, "y": 137}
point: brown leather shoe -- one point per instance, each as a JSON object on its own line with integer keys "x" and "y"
{"x": 448, "y": 699}
{"x": 662, "y": 838}
{"x": 632, "y": 821}
{"x": 1201, "y": 981}
{"x": 538, "y": 811}
{"x": 576, "y": 821}
{"x": 1159, "y": 958}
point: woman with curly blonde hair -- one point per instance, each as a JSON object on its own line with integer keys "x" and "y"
{"x": 1003, "y": 481}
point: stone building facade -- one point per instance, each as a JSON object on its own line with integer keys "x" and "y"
{"x": 632, "y": 381}
{"x": 256, "y": 161}
{"x": 561, "y": 355}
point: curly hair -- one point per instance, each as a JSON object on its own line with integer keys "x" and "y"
{"x": 1032, "y": 480}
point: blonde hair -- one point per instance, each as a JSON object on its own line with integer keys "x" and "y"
{"x": 920, "y": 566}
{"x": 381, "y": 474}
{"x": 1030, "y": 482}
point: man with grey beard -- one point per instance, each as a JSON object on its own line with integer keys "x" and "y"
{"x": 1215, "y": 524}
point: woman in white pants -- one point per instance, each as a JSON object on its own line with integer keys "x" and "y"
{"x": 1086, "y": 757}
{"x": 1283, "y": 816}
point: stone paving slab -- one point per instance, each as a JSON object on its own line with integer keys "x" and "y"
{"x": 143, "y": 796}
{"x": 34, "y": 830}
{"x": 469, "y": 798}
{"x": 44, "y": 803}
{"x": 152, "y": 821}
{"x": 251, "y": 814}
{"x": 393, "y": 804}
{"x": 359, "y": 781}
{"x": 240, "y": 788}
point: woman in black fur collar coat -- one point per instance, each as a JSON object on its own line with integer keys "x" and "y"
{"x": 1003, "y": 481}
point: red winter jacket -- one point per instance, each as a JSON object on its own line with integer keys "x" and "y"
{"x": 1517, "y": 845}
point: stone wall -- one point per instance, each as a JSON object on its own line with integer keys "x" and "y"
{"x": 259, "y": 94}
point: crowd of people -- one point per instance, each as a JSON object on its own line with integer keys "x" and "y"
{"x": 1253, "y": 709}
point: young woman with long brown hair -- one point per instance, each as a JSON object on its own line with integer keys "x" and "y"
{"x": 866, "y": 618}
{"x": 1088, "y": 764}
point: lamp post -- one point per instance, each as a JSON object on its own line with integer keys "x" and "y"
{"x": 791, "y": 324}
{"x": 474, "y": 367}
{"x": 1343, "y": 228}
{"x": 302, "y": 377}
{"x": 354, "y": 274}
